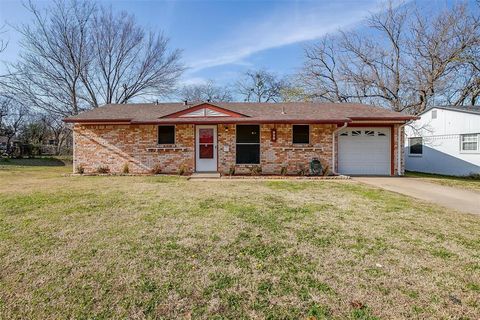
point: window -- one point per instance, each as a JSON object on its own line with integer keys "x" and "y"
{"x": 415, "y": 146}
{"x": 434, "y": 114}
{"x": 469, "y": 142}
{"x": 301, "y": 134}
{"x": 248, "y": 144}
{"x": 166, "y": 134}
{"x": 369, "y": 133}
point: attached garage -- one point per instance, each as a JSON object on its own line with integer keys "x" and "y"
{"x": 364, "y": 151}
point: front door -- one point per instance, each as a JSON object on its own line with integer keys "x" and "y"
{"x": 206, "y": 148}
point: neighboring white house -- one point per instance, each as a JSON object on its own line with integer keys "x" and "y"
{"x": 445, "y": 140}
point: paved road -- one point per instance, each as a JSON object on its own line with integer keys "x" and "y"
{"x": 449, "y": 197}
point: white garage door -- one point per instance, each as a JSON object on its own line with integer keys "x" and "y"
{"x": 364, "y": 151}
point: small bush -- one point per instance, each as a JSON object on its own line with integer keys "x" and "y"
{"x": 474, "y": 176}
{"x": 125, "y": 169}
{"x": 231, "y": 171}
{"x": 283, "y": 170}
{"x": 326, "y": 170}
{"x": 182, "y": 170}
{"x": 157, "y": 169}
{"x": 103, "y": 169}
{"x": 80, "y": 169}
{"x": 256, "y": 170}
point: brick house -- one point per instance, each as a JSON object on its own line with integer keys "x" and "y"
{"x": 271, "y": 138}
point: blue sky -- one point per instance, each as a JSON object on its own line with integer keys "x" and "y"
{"x": 222, "y": 39}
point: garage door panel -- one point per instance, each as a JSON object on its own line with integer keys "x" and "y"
{"x": 364, "y": 151}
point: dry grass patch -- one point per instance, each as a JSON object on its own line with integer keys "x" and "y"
{"x": 165, "y": 247}
{"x": 469, "y": 183}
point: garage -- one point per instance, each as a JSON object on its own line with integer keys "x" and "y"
{"x": 364, "y": 151}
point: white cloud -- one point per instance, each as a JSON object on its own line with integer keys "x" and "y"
{"x": 282, "y": 28}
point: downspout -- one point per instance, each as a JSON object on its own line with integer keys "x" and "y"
{"x": 334, "y": 134}
{"x": 400, "y": 149}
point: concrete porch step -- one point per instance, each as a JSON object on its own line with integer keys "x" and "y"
{"x": 205, "y": 175}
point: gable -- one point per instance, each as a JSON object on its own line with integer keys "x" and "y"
{"x": 204, "y": 110}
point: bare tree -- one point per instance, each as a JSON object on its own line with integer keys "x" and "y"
{"x": 75, "y": 57}
{"x": 260, "y": 86}
{"x": 3, "y": 42}
{"x": 14, "y": 117}
{"x": 127, "y": 62}
{"x": 205, "y": 92}
{"x": 55, "y": 51}
{"x": 406, "y": 62}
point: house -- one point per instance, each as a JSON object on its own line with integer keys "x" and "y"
{"x": 445, "y": 140}
{"x": 270, "y": 138}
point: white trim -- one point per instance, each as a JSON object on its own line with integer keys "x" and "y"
{"x": 334, "y": 134}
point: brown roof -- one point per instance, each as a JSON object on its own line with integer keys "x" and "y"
{"x": 248, "y": 112}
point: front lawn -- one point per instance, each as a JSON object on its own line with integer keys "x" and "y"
{"x": 471, "y": 183}
{"x": 169, "y": 248}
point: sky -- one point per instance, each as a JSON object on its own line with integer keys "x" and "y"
{"x": 221, "y": 39}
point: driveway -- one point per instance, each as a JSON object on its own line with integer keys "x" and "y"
{"x": 449, "y": 197}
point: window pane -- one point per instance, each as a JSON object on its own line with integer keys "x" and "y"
{"x": 469, "y": 146}
{"x": 166, "y": 134}
{"x": 416, "y": 146}
{"x": 205, "y": 135}
{"x": 206, "y": 151}
{"x": 248, "y": 153}
{"x": 300, "y": 134}
{"x": 470, "y": 142}
{"x": 248, "y": 134}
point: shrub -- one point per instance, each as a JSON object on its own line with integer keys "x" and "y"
{"x": 182, "y": 170}
{"x": 103, "y": 169}
{"x": 326, "y": 170}
{"x": 301, "y": 169}
{"x": 256, "y": 170}
{"x": 283, "y": 170}
{"x": 157, "y": 169}
{"x": 80, "y": 169}
{"x": 231, "y": 171}
{"x": 474, "y": 176}
{"x": 125, "y": 169}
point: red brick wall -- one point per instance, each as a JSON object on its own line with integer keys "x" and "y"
{"x": 114, "y": 146}
{"x": 282, "y": 153}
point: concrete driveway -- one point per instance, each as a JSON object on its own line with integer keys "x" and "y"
{"x": 449, "y": 197}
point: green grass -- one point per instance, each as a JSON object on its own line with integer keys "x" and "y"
{"x": 471, "y": 183}
{"x": 167, "y": 248}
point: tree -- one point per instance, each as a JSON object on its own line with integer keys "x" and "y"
{"x": 126, "y": 61}
{"x": 75, "y": 56}
{"x": 55, "y": 50}
{"x": 260, "y": 86}
{"x": 13, "y": 117}
{"x": 205, "y": 92}
{"x": 406, "y": 62}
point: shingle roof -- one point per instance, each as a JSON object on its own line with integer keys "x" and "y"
{"x": 251, "y": 112}
{"x": 469, "y": 109}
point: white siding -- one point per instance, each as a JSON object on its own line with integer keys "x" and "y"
{"x": 441, "y": 143}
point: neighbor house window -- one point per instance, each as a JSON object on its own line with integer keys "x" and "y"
{"x": 469, "y": 142}
{"x": 166, "y": 134}
{"x": 415, "y": 145}
{"x": 301, "y": 134}
{"x": 248, "y": 144}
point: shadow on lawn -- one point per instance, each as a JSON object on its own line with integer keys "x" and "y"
{"x": 34, "y": 162}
